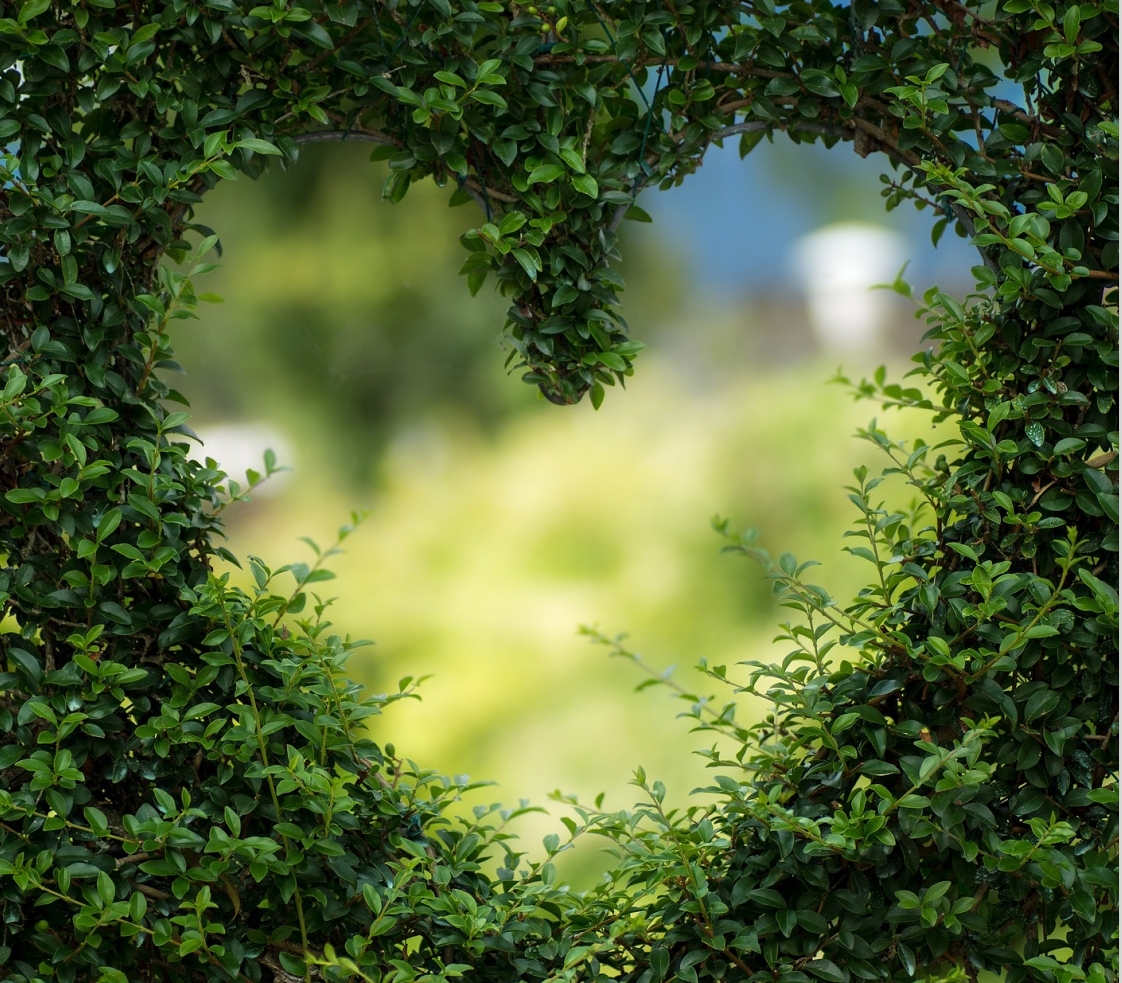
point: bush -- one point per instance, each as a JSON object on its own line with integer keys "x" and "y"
{"x": 185, "y": 788}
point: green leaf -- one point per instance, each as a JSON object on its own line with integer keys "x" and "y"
{"x": 546, "y": 174}
{"x": 878, "y": 768}
{"x": 24, "y": 496}
{"x": 488, "y": 67}
{"x": 573, "y": 159}
{"x": 824, "y": 969}
{"x": 145, "y": 33}
{"x": 214, "y": 143}
{"x": 914, "y": 802}
{"x": 511, "y": 222}
{"x": 766, "y": 896}
{"x": 114, "y": 612}
{"x": 586, "y": 185}
{"x": 821, "y": 84}
{"x": 1068, "y": 445}
{"x": 1071, "y": 24}
{"x": 32, "y": 9}
{"x": 488, "y": 98}
{"x": 1040, "y": 704}
{"x": 258, "y": 146}
{"x": 224, "y": 169}
{"x": 1105, "y": 796}
{"x": 314, "y": 33}
{"x": 526, "y": 261}
{"x": 629, "y": 349}
{"x": 200, "y": 710}
{"x": 106, "y": 889}
{"x": 936, "y": 891}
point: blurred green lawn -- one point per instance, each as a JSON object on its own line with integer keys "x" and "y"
{"x": 481, "y": 557}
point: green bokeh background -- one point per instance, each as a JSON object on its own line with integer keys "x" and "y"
{"x": 499, "y": 523}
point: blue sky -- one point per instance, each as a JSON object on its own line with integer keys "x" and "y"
{"x": 737, "y": 220}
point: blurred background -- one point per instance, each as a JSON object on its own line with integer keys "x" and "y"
{"x": 499, "y": 522}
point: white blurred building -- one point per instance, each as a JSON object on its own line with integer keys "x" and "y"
{"x": 240, "y": 447}
{"x": 836, "y": 266}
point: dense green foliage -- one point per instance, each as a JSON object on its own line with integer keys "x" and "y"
{"x": 185, "y": 787}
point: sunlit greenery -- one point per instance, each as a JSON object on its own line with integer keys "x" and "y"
{"x": 498, "y": 524}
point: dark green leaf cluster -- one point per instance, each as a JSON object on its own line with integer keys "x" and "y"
{"x": 186, "y": 791}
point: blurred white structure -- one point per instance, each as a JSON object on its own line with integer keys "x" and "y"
{"x": 836, "y": 266}
{"x": 238, "y": 447}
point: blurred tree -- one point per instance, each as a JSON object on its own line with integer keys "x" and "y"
{"x": 334, "y": 301}
{"x": 355, "y": 305}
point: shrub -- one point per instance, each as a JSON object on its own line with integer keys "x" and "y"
{"x": 185, "y": 787}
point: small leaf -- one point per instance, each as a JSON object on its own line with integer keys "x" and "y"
{"x": 572, "y": 158}
{"x": 546, "y": 174}
{"x": 526, "y": 261}
{"x": 32, "y": 9}
{"x": 824, "y": 969}
{"x": 258, "y": 146}
{"x": 586, "y": 184}
{"x": 488, "y": 98}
